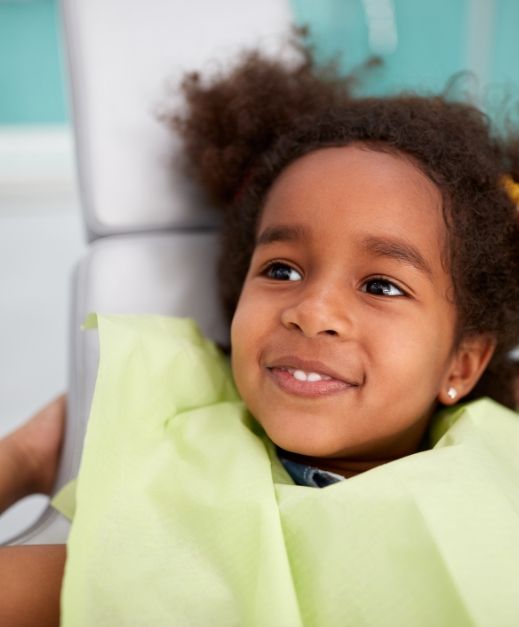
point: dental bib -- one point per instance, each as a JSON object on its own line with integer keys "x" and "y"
{"x": 185, "y": 516}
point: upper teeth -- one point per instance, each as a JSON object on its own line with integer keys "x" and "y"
{"x": 301, "y": 375}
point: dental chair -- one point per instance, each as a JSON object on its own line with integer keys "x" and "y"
{"x": 152, "y": 235}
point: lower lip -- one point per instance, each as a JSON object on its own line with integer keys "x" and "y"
{"x": 310, "y": 389}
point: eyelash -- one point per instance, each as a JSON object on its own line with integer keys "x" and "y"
{"x": 273, "y": 265}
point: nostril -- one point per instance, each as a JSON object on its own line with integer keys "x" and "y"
{"x": 331, "y": 332}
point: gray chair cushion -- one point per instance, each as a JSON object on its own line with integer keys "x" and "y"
{"x": 168, "y": 273}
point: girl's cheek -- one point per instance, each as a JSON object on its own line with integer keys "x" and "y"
{"x": 241, "y": 332}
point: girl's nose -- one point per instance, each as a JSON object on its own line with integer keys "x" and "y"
{"x": 319, "y": 312}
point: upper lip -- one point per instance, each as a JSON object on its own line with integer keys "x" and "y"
{"x": 310, "y": 365}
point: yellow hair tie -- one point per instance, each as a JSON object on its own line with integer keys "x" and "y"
{"x": 511, "y": 188}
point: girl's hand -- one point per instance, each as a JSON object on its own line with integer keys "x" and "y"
{"x": 29, "y": 456}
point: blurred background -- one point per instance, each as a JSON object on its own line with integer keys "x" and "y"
{"x": 422, "y": 43}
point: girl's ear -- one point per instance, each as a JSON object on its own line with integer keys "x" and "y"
{"x": 466, "y": 367}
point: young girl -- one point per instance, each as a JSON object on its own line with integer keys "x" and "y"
{"x": 369, "y": 265}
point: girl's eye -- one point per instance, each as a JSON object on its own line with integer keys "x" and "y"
{"x": 279, "y": 271}
{"x": 382, "y": 287}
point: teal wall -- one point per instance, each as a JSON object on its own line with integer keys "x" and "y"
{"x": 435, "y": 41}
{"x": 31, "y": 80}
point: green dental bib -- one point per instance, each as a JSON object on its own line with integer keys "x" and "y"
{"x": 185, "y": 517}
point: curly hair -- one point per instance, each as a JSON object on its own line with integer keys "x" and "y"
{"x": 243, "y": 127}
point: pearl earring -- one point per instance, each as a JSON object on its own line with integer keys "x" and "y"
{"x": 452, "y": 393}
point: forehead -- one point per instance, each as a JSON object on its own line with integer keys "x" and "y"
{"x": 344, "y": 192}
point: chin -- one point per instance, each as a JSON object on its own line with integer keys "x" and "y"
{"x": 308, "y": 444}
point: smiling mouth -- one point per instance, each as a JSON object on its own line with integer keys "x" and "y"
{"x": 308, "y": 383}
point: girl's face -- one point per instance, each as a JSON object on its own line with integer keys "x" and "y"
{"x": 344, "y": 332}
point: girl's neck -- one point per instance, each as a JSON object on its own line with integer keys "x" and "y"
{"x": 349, "y": 467}
{"x": 345, "y": 467}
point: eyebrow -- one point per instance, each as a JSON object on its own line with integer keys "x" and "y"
{"x": 397, "y": 249}
{"x": 389, "y": 247}
{"x": 281, "y": 233}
